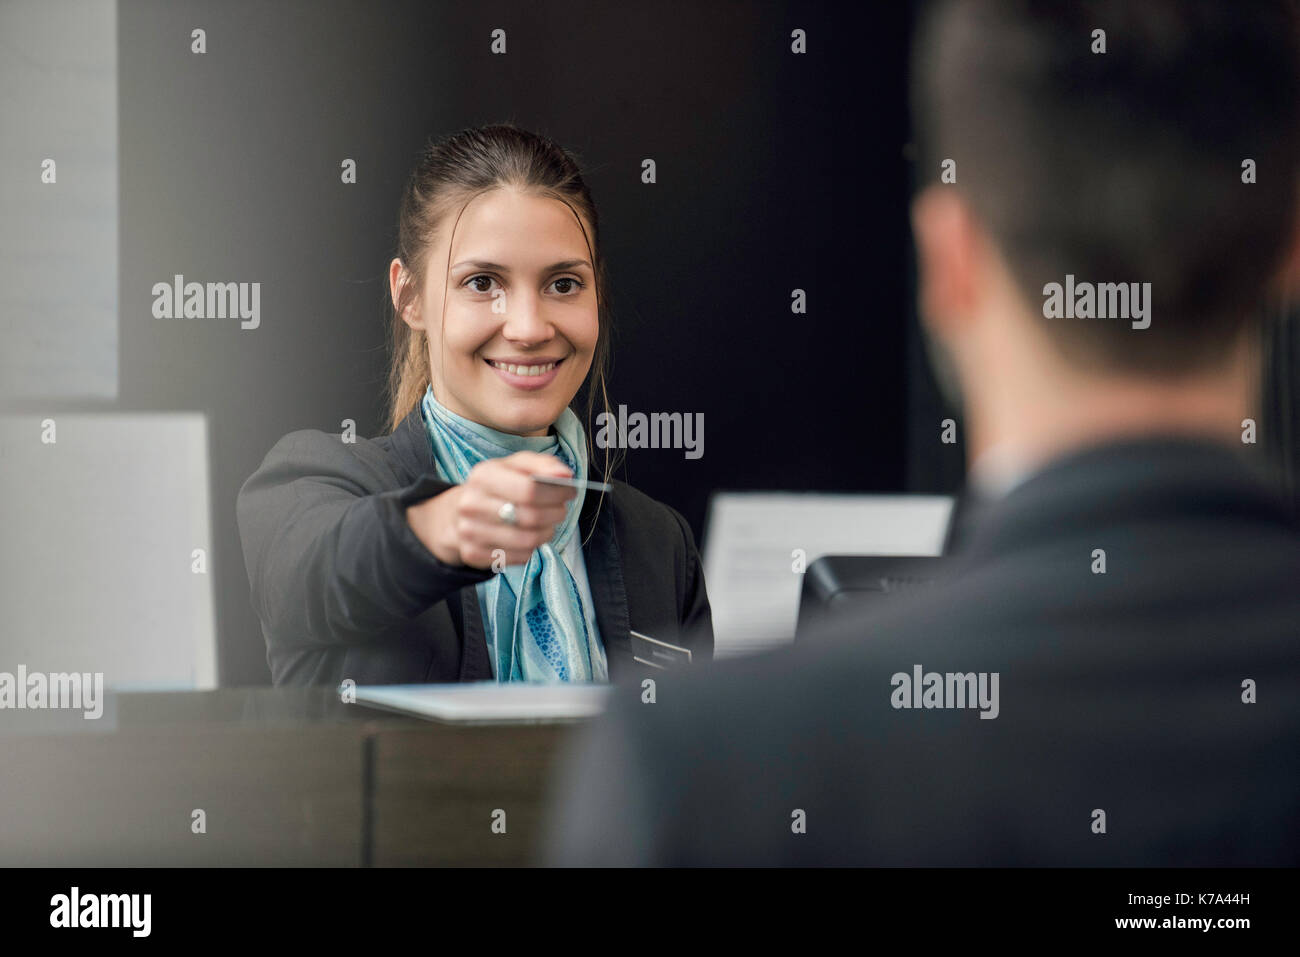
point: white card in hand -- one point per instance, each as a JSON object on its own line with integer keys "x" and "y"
{"x": 571, "y": 483}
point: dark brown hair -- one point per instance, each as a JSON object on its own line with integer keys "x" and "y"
{"x": 450, "y": 172}
{"x": 1124, "y": 165}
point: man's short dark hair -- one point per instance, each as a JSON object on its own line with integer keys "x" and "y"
{"x": 1122, "y": 166}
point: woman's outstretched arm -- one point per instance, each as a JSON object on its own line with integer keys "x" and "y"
{"x": 331, "y": 557}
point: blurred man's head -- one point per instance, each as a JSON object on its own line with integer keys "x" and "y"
{"x": 1108, "y": 200}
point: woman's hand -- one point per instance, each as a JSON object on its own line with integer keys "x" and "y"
{"x": 462, "y": 526}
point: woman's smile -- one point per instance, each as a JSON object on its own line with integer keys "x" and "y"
{"x": 526, "y": 373}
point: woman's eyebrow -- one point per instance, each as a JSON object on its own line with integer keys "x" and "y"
{"x": 567, "y": 264}
{"x": 553, "y": 267}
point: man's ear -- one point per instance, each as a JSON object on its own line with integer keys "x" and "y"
{"x": 946, "y": 253}
{"x": 1289, "y": 275}
{"x": 397, "y": 275}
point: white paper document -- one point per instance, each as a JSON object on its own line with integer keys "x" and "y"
{"x": 757, "y": 543}
{"x": 486, "y": 702}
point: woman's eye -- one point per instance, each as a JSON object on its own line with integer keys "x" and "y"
{"x": 573, "y": 285}
{"x": 565, "y": 285}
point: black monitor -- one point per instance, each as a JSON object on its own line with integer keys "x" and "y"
{"x": 834, "y": 584}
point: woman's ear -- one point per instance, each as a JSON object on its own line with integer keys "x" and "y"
{"x": 398, "y": 276}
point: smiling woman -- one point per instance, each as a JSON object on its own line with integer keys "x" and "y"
{"x": 516, "y": 332}
{"x": 433, "y": 553}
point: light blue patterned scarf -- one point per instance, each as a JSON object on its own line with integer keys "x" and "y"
{"x": 537, "y": 624}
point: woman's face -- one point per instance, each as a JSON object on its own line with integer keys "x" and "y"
{"x": 521, "y": 292}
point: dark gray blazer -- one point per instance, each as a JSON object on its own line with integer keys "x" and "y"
{"x": 1119, "y": 692}
{"x": 344, "y": 589}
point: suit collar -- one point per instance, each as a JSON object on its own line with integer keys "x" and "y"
{"x": 410, "y": 443}
{"x": 1131, "y": 480}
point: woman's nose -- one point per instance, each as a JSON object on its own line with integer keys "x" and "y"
{"x": 525, "y": 320}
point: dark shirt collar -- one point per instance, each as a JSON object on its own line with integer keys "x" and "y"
{"x": 1127, "y": 480}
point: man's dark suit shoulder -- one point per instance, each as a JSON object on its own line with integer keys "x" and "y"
{"x": 1114, "y": 690}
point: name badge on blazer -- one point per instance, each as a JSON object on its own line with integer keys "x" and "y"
{"x": 658, "y": 654}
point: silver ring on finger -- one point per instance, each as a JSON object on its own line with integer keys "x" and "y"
{"x": 508, "y": 513}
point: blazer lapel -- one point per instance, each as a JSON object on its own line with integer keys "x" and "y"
{"x": 474, "y": 662}
{"x": 604, "y": 563}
